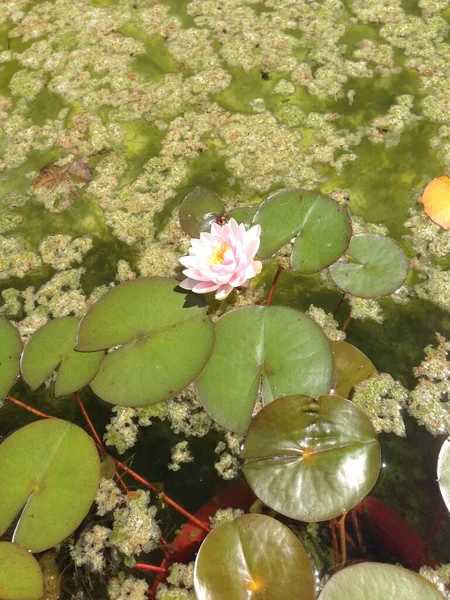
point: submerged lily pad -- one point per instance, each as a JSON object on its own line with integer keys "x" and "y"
{"x": 253, "y": 556}
{"x": 165, "y": 339}
{"x": 321, "y": 228}
{"x": 376, "y": 581}
{"x": 377, "y": 267}
{"x": 10, "y": 350}
{"x": 443, "y": 472}
{"x": 350, "y": 366}
{"x": 52, "y": 346}
{"x": 243, "y": 214}
{"x": 276, "y": 348}
{"x": 199, "y": 210}
{"x": 20, "y": 574}
{"x": 49, "y": 472}
{"x": 311, "y": 460}
{"x": 436, "y": 201}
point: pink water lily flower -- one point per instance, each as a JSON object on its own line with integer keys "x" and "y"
{"x": 222, "y": 259}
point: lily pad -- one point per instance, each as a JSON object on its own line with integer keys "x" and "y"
{"x": 443, "y": 471}
{"x": 311, "y": 460}
{"x": 199, "y": 210}
{"x": 378, "y": 582}
{"x": 243, "y": 214}
{"x": 52, "y": 346}
{"x": 253, "y": 556}
{"x": 165, "y": 339}
{"x": 436, "y": 201}
{"x": 49, "y": 474}
{"x": 321, "y": 228}
{"x": 10, "y": 350}
{"x": 350, "y": 366}
{"x": 272, "y": 349}
{"x": 377, "y": 267}
{"x": 20, "y": 574}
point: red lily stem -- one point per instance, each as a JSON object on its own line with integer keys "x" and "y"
{"x": 30, "y": 408}
{"x": 145, "y": 567}
{"x": 274, "y": 283}
{"x": 346, "y": 322}
{"x": 339, "y": 304}
{"x": 343, "y": 540}
{"x": 334, "y": 542}
{"x": 163, "y": 496}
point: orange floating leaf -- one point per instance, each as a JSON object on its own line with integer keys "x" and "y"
{"x": 436, "y": 201}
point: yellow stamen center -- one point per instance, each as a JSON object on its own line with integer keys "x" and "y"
{"x": 218, "y": 254}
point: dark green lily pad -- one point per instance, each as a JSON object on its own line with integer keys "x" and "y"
{"x": 443, "y": 471}
{"x": 10, "y": 351}
{"x": 52, "y": 346}
{"x": 253, "y": 556}
{"x": 376, "y": 581}
{"x": 311, "y": 460}
{"x": 199, "y": 210}
{"x": 321, "y": 228}
{"x": 377, "y": 267}
{"x": 20, "y": 574}
{"x": 350, "y": 366}
{"x": 49, "y": 473}
{"x": 165, "y": 339}
{"x": 276, "y": 348}
{"x": 243, "y": 214}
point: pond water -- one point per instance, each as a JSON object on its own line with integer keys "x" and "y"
{"x": 111, "y": 111}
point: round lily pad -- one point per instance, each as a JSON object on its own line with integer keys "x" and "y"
{"x": 443, "y": 471}
{"x": 10, "y": 350}
{"x": 350, "y": 366}
{"x": 52, "y": 346}
{"x": 20, "y": 574}
{"x": 243, "y": 214}
{"x": 164, "y": 338}
{"x": 49, "y": 474}
{"x": 377, "y": 266}
{"x": 376, "y": 581}
{"x": 311, "y": 460}
{"x": 274, "y": 350}
{"x": 436, "y": 201}
{"x": 253, "y": 556}
{"x": 321, "y": 228}
{"x": 199, "y": 210}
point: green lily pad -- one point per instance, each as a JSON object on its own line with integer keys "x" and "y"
{"x": 49, "y": 474}
{"x": 350, "y": 366}
{"x": 273, "y": 348}
{"x": 443, "y": 471}
{"x": 253, "y": 556}
{"x": 377, "y": 267}
{"x": 243, "y": 214}
{"x": 20, "y": 574}
{"x": 321, "y": 228}
{"x": 311, "y": 460}
{"x": 199, "y": 210}
{"x": 376, "y": 581}
{"x": 10, "y": 351}
{"x": 53, "y": 345}
{"x": 165, "y": 339}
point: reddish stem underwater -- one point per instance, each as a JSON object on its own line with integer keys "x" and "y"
{"x": 274, "y": 283}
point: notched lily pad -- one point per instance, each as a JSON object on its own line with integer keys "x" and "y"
{"x": 52, "y": 346}
{"x": 321, "y": 228}
{"x": 377, "y": 266}
{"x": 51, "y": 472}
{"x": 253, "y": 556}
{"x": 378, "y": 582}
{"x": 199, "y": 210}
{"x": 272, "y": 349}
{"x": 163, "y": 337}
{"x": 20, "y": 574}
{"x": 10, "y": 351}
{"x": 311, "y": 460}
{"x": 350, "y": 366}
